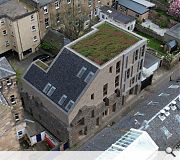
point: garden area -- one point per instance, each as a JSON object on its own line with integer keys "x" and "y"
{"x": 105, "y": 44}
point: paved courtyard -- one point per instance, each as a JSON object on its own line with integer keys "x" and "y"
{"x": 154, "y": 27}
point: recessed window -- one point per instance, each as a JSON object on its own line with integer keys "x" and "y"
{"x": 2, "y": 21}
{"x": 45, "y": 9}
{"x": 142, "y": 50}
{"x": 46, "y": 21}
{"x": 92, "y": 96}
{"x": 131, "y": 71}
{"x": 32, "y": 17}
{"x": 56, "y": 4}
{"x": 35, "y": 38}
{"x": 110, "y": 69}
{"x": 128, "y": 73}
{"x": 105, "y": 88}
{"x": 114, "y": 107}
{"x": 4, "y": 32}
{"x": 62, "y": 100}
{"x": 92, "y": 113}
{"x": 139, "y": 76}
{"x": 141, "y": 64}
{"x": 118, "y": 67}
{"x": 117, "y": 81}
{"x": 33, "y": 28}
{"x": 7, "y": 44}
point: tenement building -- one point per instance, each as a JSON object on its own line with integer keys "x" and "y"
{"x": 87, "y": 83}
{"x": 51, "y": 12}
{"x": 19, "y": 30}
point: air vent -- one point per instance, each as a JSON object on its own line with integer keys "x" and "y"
{"x": 162, "y": 116}
{"x": 166, "y": 109}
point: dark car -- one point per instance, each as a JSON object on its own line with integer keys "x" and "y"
{"x": 42, "y": 57}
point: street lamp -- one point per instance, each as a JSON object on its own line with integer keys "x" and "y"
{"x": 169, "y": 150}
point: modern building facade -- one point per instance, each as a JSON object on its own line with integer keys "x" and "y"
{"x": 19, "y": 28}
{"x": 52, "y": 11}
{"x": 88, "y": 82}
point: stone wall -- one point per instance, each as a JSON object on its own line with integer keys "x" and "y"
{"x": 149, "y": 32}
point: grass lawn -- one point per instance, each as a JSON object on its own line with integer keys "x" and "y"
{"x": 153, "y": 43}
{"x": 105, "y": 44}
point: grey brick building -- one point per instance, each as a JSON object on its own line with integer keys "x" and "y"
{"x": 87, "y": 83}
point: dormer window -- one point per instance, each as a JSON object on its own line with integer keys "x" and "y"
{"x": 9, "y": 82}
{"x": 57, "y": 4}
{"x": 69, "y": 105}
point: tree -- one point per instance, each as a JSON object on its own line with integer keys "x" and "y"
{"x": 174, "y": 8}
{"x": 73, "y": 18}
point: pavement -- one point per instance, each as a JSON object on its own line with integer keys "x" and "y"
{"x": 136, "y": 107}
{"x": 154, "y": 27}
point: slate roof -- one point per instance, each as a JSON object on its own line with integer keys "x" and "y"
{"x": 115, "y": 15}
{"x": 174, "y": 31}
{"x": 62, "y": 75}
{"x": 12, "y": 9}
{"x": 150, "y": 60}
{"x": 43, "y": 2}
{"x": 6, "y": 69}
{"x": 136, "y": 7}
{"x": 141, "y": 112}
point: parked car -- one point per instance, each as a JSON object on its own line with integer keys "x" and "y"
{"x": 42, "y": 57}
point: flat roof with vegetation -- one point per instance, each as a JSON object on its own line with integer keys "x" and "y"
{"x": 105, "y": 44}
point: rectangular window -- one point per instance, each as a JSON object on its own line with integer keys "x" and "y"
{"x": 4, "y": 32}
{"x": 118, "y": 67}
{"x": 117, "y": 81}
{"x": 45, "y": 9}
{"x": 56, "y": 4}
{"x": 58, "y": 17}
{"x": 33, "y": 28}
{"x": 68, "y": 1}
{"x": 131, "y": 71}
{"x": 2, "y": 22}
{"x": 114, "y": 107}
{"x": 32, "y": 17}
{"x": 143, "y": 50}
{"x": 92, "y": 113}
{"x": 110, "y": 69}
{"x": 92, "y": 96}
{"x": 126, "y": 61}
{"x": 133, "y": 79}
{"x": 136, "y": 55}
{"x": 139, "y": 76}
{"x": 141, "y": 64}
{"x": 89, "y": 3}
{"x": 46, "y": 22}
{"x": 105, "y": 88}
{"x": 128, "y": 73}
{"x": 62, "y": 100}
{"x": 35, "y": 38}
{"x": 7, "y": 44}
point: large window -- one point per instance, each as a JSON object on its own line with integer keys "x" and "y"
{"x": 46, "y": 22}
{"x": 118, "y": 67}
{"x": 117, "y": 81}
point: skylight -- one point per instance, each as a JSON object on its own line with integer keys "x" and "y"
{"x": 166, "y": 132}
{"x": 81, "y": 72}
{"x": 51, "y": 91}
{"x": 89, "y": 76}
{"x": 69, "y": 105}
{"x": 62, "y": 100}
{"x": 47, "y": 88}
{"x": 178, "y": 118}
